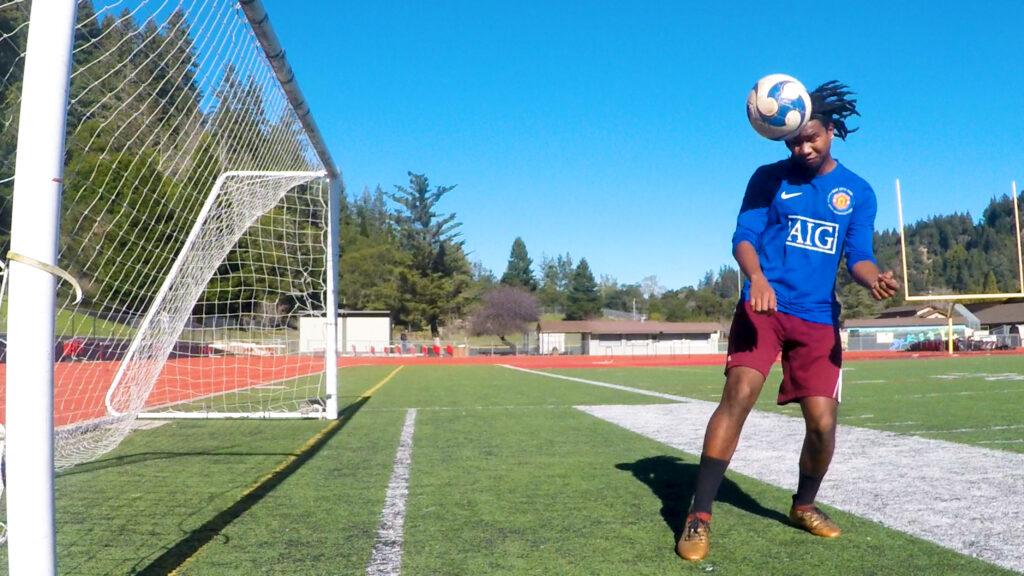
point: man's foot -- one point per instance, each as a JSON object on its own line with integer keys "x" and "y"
{"x": 693, "y": 545}
{"x": 812, "y": 519}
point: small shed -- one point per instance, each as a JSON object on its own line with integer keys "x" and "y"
{"x": 359, "y": 332}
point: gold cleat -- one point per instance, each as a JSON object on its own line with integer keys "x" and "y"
{"x": 813, "y": 520}
{"x": 693, "y": 545}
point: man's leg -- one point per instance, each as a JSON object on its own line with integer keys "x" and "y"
{"x": 819, "y": 445}
{"x": 820, "y": 436}
{"x": 742, "y": 387}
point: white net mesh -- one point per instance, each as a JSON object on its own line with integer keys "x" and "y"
{"x": 194, "y": 216}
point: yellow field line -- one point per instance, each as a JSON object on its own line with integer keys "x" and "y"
{"x": 267, "y": 477}
{"x": 288, "y": 462}
{"x": 370, "y": 392}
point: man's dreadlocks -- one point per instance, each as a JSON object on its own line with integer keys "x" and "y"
{"x": 830, "y": 104}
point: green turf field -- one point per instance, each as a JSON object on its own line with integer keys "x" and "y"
{"x": 505, "y": 477}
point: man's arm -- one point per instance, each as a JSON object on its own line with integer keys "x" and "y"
{"x": 882, "y": 285}
{"x": 762, "y": 295}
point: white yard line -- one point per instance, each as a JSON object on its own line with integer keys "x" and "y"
{"x": 966, "y": 498}
{"x": 963, "y": 430}
{"x": 602, "y": 384}
{"x": 963, "y": 393}
{"x": 1000, "y": 441}
{"x": 387, "y": 550}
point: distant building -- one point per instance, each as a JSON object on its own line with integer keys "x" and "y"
{"x": 1003, "y": 320}
{"x": 359, "y": 332}
{"x": 927, "y": 326}
{"x": 630, "y": 338}
{"x": 901, "y": 332}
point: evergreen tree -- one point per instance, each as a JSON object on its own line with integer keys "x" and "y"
{"x": 432, "y": 288}
{"x": 239, "y": 122}
{"x": 624, "y": 297}
{"x": 13, "y": 37}
{"x": 857, "y": 302}
{"x": 583, "y": 300}
{"x": 556, "y": 275}
{"x": 519, "y": 272}
{"x": 991, "y": 286}
{"x": 370, "y": 257}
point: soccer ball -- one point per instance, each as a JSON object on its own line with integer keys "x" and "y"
{"x": 778, "y": 106}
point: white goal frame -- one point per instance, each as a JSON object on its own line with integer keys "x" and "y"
{"x": 330, "y": 411}
{"x": 32, "y": 282}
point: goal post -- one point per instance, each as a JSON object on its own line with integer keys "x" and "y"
{"x": 952, "y": 300}
{"x": 168, "y": 169}
{"x": 954, "y": 297}
{"x": 35, "y": 222}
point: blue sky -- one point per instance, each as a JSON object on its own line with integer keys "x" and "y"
{"x": 616, "y": 131}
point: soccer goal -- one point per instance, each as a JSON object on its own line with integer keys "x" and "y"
{"x": 172, "y": 212}
{"x": 919, "y": 255}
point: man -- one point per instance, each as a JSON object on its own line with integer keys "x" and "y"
{"x": 798, "y": 217}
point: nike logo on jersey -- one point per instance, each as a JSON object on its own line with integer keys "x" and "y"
{"x": 812, "y": 234}
{"x": 788, "y": 195}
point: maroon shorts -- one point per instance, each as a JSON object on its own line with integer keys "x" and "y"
{"x": 812, "y": 355}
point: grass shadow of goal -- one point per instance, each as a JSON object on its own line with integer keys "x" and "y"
{"x": 178, "y": 554}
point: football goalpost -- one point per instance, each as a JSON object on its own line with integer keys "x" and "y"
{"x": 173, "y": 214}
{"x": 953, "y": 300}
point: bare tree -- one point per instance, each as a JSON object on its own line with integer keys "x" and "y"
{"x": 506, "y": 310}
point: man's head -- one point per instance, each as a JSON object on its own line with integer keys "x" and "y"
{"x": 811, "y": 148}
{"x": 830, "y": 107}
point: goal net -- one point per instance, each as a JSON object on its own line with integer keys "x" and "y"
{"x": 195, "y": 218}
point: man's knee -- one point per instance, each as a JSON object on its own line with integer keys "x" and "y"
{"x": 742, "y": 388}
{"x": 822, "y": 430}
{"x": 820, "y": 416}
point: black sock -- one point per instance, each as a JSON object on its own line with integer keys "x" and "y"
{"x": 806, "y": 490}
{"x": 709, "y": 478}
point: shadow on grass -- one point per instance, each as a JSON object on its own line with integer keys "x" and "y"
{"x": 140, "y": 457}
{"x": 176, "y": 555}
{"x": 672, "y": 481}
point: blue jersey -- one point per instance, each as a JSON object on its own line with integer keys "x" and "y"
{"x": 801, "y": 228}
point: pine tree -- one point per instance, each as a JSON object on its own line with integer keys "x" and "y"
{"x": 583, "y": 300}
{"x": 556, "y": 274}
{"x": 519, "y": 272}
{"x": 433, "y": 286}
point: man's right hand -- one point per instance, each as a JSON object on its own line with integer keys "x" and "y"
{"x": 762, "y": 295}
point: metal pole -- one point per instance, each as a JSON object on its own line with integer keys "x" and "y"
{"x": 331, "y": 344}
{"x": 949, "y": 325}
{"x": 903, "y": 243}
{"x": 35, "y": 228}
{"x": 260, "y": 22}
{"x": 1016, "y": 226}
